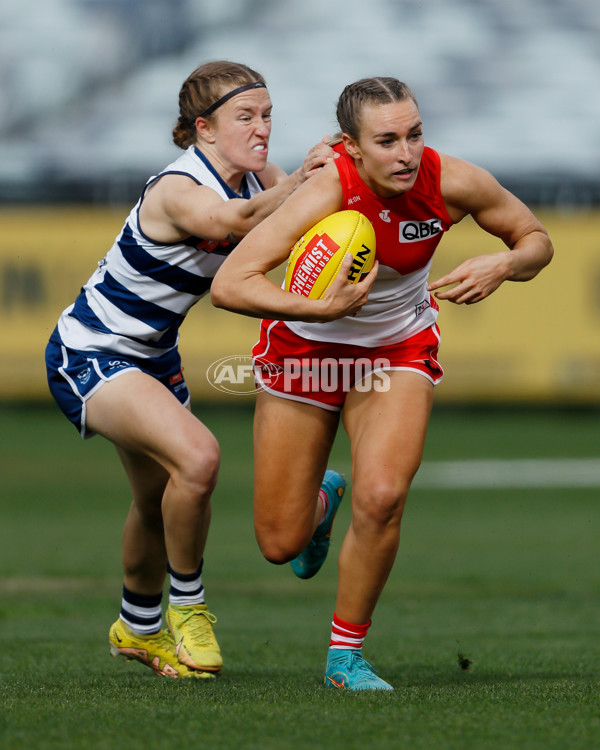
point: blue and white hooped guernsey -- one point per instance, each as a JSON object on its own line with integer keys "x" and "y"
{"x": 136, "y": 300}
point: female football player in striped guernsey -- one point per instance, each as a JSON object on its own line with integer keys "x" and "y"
{"x": 412, "y": 195}
{"x": 114, "y": 367}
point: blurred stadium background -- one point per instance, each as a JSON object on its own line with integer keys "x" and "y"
{"x": 88, "y": 98}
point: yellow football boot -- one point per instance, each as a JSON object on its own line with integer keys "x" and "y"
{"x": 156, "y": 651}
{"x": 195, "y": 643}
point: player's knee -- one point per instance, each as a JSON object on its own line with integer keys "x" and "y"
{"x": 279, "y": 548}
{"x": 379, "y": 503}
{"x": 199, "y": 472}
{"x": 277, "y": 554}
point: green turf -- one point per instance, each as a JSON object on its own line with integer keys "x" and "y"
{"x": 507, "y": 580}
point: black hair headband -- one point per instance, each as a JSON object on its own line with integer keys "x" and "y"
{"x": 226, "y": 97}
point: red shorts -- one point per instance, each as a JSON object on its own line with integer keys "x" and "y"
{"x": 321, "y": 373}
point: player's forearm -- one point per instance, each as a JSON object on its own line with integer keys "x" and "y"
{"x": 529, "y": 255}
{"x": 262, "y": 205}
{"x": 258, "y": 297}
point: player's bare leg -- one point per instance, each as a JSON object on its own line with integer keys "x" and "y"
{"x": 143, "y": 547}
{"x": 172, "y": 437}
{"x": 292, "y": 442}
{"x": 387, "y": 435}
{"x": 172, "y": 461}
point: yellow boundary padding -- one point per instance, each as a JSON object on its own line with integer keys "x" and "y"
{"x": 538, "y": 341}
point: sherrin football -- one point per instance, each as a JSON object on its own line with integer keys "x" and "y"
{"x": 315, "y": 259}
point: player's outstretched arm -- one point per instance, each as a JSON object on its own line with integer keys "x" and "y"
{"x": 176, "y": 207}
{"x": 468, "y": 189}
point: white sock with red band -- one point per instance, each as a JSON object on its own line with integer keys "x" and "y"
{"x": 346, "y": 635}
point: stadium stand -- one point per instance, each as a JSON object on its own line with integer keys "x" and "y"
{"x": 88, "y": 89}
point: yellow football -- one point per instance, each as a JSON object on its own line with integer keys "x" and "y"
{"x": 315, "y": 259}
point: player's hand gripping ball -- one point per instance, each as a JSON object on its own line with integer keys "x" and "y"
{"x": 316, "y": 258}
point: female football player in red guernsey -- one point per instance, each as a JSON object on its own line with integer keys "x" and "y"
{"x": 381, "y": 336}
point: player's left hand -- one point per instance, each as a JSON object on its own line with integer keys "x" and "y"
{"x": 319, "y": 155}
{"x": 475, "y": 279}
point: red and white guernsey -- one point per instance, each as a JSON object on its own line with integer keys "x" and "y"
{"x": 408, "y": 228}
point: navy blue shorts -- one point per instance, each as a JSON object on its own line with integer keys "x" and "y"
{"x": 74, "y": 376}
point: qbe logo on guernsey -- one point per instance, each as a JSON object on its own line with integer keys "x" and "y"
{"x": 417, "y": 231}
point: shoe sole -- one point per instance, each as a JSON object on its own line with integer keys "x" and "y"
{"x": 134, "y": 654}
{"x": 331, "y": 683}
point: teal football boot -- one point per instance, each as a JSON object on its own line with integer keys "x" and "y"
{"x": 347, "y": 670}
{"x": 312, "y": 557}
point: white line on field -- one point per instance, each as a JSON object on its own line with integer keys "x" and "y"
{"x": 551, "y": 472}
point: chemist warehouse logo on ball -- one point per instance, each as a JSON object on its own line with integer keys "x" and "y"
{"x": 238, "y": 375}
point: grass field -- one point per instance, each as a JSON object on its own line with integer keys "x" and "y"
{"x": 497, "y": 567}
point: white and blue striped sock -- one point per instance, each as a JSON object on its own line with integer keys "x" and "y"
{"x": 186, "y": 588}
{"x": 141, "y": 613}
